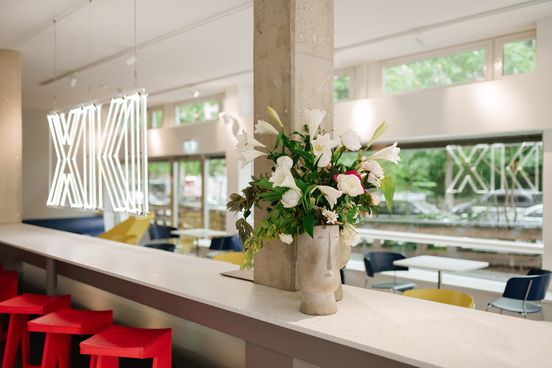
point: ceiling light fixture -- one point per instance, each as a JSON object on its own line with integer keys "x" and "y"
{"x": 195, "y": 94}
{"x": 131, "y": 60}
{"x": 73, "y": 81}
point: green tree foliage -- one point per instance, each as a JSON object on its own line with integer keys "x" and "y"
{"x": 464, "y": 67}
{"x": 519, "y": 57}
{"x": 341, "y": 87}
{"x": 197, "y": 112}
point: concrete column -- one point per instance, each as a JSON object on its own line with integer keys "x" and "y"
{"x": 10, "y": 136}
{"x": 293, "y": 70}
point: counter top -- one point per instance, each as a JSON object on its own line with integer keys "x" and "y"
{"x": 407, "y": 330}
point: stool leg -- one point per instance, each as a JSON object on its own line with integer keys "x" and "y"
{"x": 92, "y": 361}
{"x": 163, "y": 360}
{"x": 56, "y": 351}
{"x": 17, "y": 333}
{"x": 107, "y": 362}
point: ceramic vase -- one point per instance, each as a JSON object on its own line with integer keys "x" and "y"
{"x": 317, "y": 270}
{"x": 344, "y": 257}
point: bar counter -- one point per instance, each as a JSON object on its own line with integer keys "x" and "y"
{"x": 371, "y": 328}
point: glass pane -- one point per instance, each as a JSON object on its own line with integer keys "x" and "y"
{"x": 159, "y": 178}
{"x": 464, "y": 67}
{"x": 519, "y": 57}
{"x": 216, "y": 189}
{"x": 189, "y": 195}
{"x": 341, "y": 87}
{"x": 156, "y": 120}
{"x": 482, "y": 191}
{"x": 198, "y": 112}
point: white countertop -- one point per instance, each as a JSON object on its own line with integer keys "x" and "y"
{"x": 409, "y": 330}
{"x": 441, "y": 263}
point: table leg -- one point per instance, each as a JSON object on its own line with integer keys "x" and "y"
{"x": 197, "y": 246}
{"x": 439, "y": 279}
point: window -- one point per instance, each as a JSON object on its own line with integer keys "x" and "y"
{"x": 461, "y": 67}
{"x": 490, "y": 191}
{"x": 518, "y": 56}
{"x": 159, "y": 190}
{"x": 156, "y": 120}
{"x": 193, "y": 112}
{"x": 342, "y": 87}
{"x": 216, "y": 192}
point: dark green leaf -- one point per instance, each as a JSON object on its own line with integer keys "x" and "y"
{"x": 388, "y": 190}
{"x": 308, "y": 224}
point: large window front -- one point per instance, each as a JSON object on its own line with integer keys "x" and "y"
{"x": 474, "y": 201}
{"x": 200, "y": 111}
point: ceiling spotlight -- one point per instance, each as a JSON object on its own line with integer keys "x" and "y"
{"x": 73, "y": 81}
{"x": 131, "y": 60}
{"x": 195, "y": 94}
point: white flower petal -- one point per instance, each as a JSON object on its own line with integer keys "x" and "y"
{"x": 286, "y": 238}
{"x": 331, "y": 194}
{"x": 262, "y": 127}
{"x": 351, "y": 140}
{"x": 291, "y": 198}
{"x": 248, "y": 155}
{"x": 349, "y": 184}
{"x": 284, "y": 161}
{"x": 390, "y": 153}
{"x": 313, "y": 120}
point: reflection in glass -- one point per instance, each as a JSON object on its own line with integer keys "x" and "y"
{"x": 159, "y": 187}
{"x": 216, "y": 192}
{"x": 190, "y": 214}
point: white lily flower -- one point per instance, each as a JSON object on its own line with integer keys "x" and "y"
{"x": 331, "y": 216}
{"x": 284, "y": 161}
{"x": 374, "y": 180}
{"x": 390, "y": 153}
{"x": 374, "y": 199}
{"x": 322, "y": 147}
{"x": 249, "y": 154}
{"x": 351, "y": 140}
{"x": 286, "y": 238}
{"x": 282, "y": 177}
{"x": 291, "y": 198}
{"x": 313, "y": 120}
{"x": 246, "y": 140}
{"x": 371, "y": 166}
{"x": 262, "y": 127}
{"x": 331, "y": 194}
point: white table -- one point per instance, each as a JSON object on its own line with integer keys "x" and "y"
{"x": 440, "y": 264}
{"x": 199, "y": 233}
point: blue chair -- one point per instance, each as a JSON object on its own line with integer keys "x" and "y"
{"x": 227, "y": 243}
{"x": 168, "y": 247}
{"x": 376, "y": 262}
{"x": 523, "y": 294}
{"x": 160, "y": 232}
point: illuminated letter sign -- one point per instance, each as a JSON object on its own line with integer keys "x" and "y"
{"x": 93, "y": 156}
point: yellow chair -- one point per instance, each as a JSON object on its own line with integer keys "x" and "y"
{"x": 443, "y": 296}
{"x": 237, "y": 258}
{"x": 129, "y": 231}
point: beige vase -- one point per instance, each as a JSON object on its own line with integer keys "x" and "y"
{"x": 344, "y": 257}
{"x": 317, "y": 270}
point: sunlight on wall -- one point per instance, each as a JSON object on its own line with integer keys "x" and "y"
{"x": 363, "y": 119}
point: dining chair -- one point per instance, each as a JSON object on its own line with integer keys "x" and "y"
{"x": 376, "y": 262}
{"x": 444, "y": 296}
{"x": 237, "y": 258}
{"x": 227, "y": 243}
{"x": 161, "y": 232}
{"x": 523, "y": 294}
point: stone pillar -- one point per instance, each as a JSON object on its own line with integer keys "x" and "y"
{"x": 10, "y": 137}
{"x": 293, "y": 70}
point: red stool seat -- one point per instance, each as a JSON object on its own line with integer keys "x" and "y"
{"x": 60, "y": 325}
{"x": 127, "y": 342}
{"x": 19, "y": 309}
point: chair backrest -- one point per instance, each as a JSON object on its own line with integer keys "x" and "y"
{"x": 445, "y": 296}
{"x": 540, "y": 286}
{"x": 228, "y": 243}
{"x": 157, "y": 232}
{"x": 382, "y": 261}
{"x": 129, "y": 231}
{"x": 531, "y": 287}
{"x": 168, "y": 247}
{"x": 237, "y": 258}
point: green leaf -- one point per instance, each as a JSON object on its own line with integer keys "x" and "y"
{"x": 377, "y": 133}
{"x": 388, "y": 190}
{"x": 308, "y": 224}
{"x": 244, "y": 229}
{"x": 274, "y": 115}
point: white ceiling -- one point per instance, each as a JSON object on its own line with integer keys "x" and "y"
{"x": 210, "y": 42}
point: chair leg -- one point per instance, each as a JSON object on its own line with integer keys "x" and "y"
{"x": 365, "y": 282}
{"x": 93, "y": 361}
{"x": 487, "y": 309}
{"x": 57, "y": 351}
{"x": 164, "y": 360}
{"x": 17, "y": 330}
{"x": 107, "y": 362}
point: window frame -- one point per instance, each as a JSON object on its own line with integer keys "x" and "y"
{"x": 218, "y": 96}
{"x": 498, "y": 59}
{"x": 486, "y": 45}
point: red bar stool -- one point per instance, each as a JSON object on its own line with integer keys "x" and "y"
{"x": 126, "y": 342}
{"x": 60, "y": 325}
{"x": 19, "y": 309}
{"x": 8, "y": 289}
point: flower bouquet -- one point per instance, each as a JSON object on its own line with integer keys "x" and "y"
{"x": 311, "y": 193}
